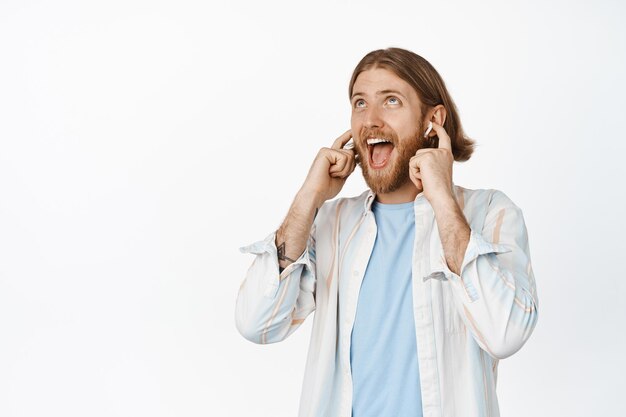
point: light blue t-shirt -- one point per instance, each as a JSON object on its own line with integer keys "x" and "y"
{"x": 383, "y": 353}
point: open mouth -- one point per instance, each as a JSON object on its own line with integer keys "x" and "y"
{"x": 379, "y": 151}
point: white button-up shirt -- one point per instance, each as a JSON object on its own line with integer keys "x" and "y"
{"x": 464, "y": 323}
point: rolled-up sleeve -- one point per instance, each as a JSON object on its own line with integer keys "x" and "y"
{"x": 271, "y": 305}
{"x": 495, "y": 291}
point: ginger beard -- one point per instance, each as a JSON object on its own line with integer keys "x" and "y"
{"x": 394, "y": 157}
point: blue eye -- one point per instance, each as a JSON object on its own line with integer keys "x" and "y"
{"x": 393, "y": 100}
{"x": 359, "y": 103}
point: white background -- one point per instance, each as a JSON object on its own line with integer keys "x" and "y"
{"x": 143, "y": 142}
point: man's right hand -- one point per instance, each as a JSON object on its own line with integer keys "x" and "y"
{"x": 327, "y": 175}
{"x": 329, "y": 171}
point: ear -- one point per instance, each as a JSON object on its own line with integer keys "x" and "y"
{"x": 438, "y": 115}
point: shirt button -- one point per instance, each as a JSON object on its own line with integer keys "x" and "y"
{"x": 355, "y": 273}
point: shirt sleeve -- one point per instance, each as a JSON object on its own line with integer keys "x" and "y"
{"x": 271, "y": 305}
{"x": 495, "y": 291}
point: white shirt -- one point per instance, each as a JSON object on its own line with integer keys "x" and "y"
{"x": 464, "y": 323}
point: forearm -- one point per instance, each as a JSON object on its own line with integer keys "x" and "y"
{"x": 454, "y": 231}
{"x": 496, "y": 298}
{"x": 495, "y": 286}
{"x": 293, "y": 234}
{"x": 270, "y": 307}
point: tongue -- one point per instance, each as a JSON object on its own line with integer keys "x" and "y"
{"x": 381, "y": 153}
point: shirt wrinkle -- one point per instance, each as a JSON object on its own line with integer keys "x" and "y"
{"x": 464, "y": 323}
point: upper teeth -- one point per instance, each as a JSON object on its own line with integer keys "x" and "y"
{"x": 376, "y": 140}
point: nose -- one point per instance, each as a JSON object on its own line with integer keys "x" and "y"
{"x": 372, "y": 118}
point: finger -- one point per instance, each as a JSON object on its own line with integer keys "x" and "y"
{"x": 348, "y": 169}
{"x": 423, "y": 151}
{"x": 341, "y": 174}
{"x": 340, "y": 160}
{"x": 344, "y": 173}
{"x": 416, "y": 178}
{"x": 344, "y": 165}
{"x": 349, "y": 145}
{"x": 348, "y": 153}
{"x": 342, "y": 140}
{"x": 444, "y": 139}
{"x": 341, "y": 163}
{"x": 415, "y": 162}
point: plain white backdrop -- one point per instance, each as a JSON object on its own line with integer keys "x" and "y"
{"x": 143, "y": 142}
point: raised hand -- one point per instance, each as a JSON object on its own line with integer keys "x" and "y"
{"x": 329, "y": 170}
{"x": 431, "y": 168}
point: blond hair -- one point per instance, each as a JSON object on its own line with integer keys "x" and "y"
{"x": 428, "y": 84}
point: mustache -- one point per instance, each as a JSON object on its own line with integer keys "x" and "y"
{"x": 366, "y": 134}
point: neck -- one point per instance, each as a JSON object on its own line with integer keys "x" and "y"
{"x": 406, "y": 193}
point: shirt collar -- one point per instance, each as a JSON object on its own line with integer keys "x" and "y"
{"x": 371, "y": 196}
{"x": 367, "y": 205}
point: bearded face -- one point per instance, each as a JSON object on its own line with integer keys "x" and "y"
{"x": 388, "y": 124}
{"x": 384, "y": 158}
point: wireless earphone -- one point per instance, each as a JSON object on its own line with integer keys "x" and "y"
{"x": 430, "y": 127}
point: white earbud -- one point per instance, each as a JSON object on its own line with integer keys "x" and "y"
{"x": 430, "y": 127}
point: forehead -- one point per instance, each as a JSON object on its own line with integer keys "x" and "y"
{"x": 374, "y": 80}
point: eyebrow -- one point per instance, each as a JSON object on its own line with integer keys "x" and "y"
{"x": 379, "y": 93}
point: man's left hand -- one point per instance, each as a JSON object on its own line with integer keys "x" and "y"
{"x": 431, "y": 169}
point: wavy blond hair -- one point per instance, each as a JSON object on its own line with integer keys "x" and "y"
{"x": 428, "y": 84}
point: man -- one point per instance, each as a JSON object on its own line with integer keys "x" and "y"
{"x": 419, "y": 286}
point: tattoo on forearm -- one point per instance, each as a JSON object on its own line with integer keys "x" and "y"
{"x": 281, "y": 253}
